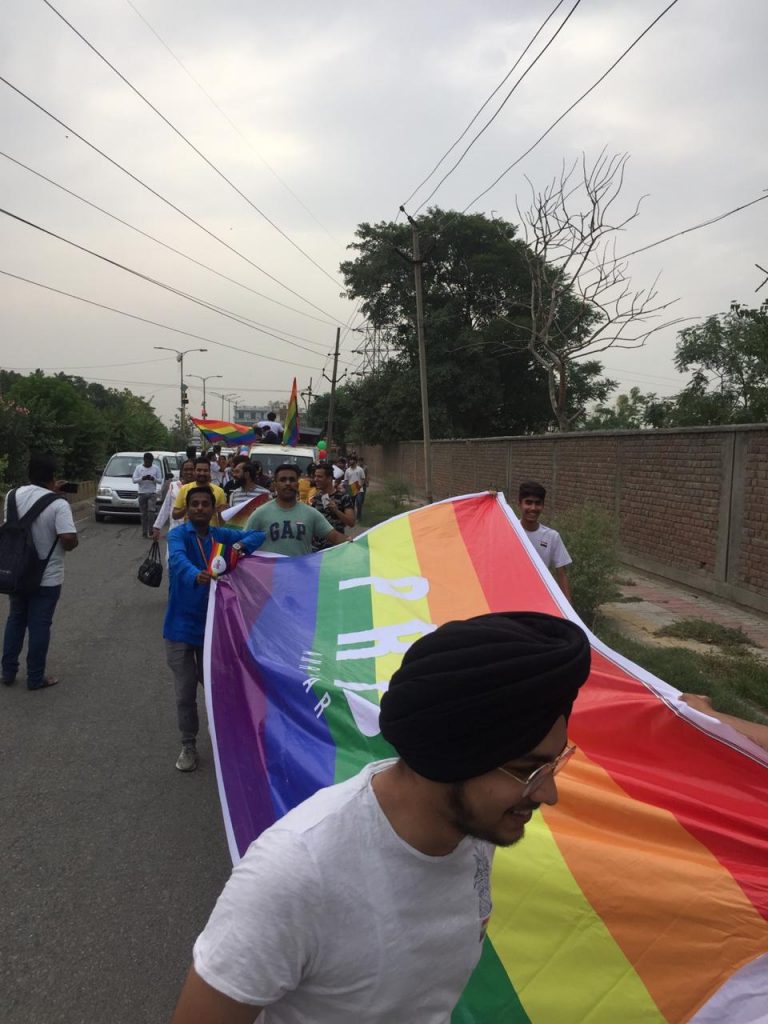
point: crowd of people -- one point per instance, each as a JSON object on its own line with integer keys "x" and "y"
{"x": 368, "y": 902}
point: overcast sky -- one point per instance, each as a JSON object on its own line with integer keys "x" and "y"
{"x": 339, "y": 110}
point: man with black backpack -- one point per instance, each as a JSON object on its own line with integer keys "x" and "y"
{"x": 37, "y": 530}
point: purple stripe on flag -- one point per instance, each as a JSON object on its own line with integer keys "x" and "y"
{"x": 264, "y": 708}
{"x": 238, "y": 698}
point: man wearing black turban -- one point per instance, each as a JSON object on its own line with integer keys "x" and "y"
{"x": 473, "y": 702}
{"x": 368, "y": 903}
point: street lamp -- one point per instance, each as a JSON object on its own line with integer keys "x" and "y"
{"x": 211, "y": 376}
{"x": 227, "y": 398}
{"x": 182, "y": 387}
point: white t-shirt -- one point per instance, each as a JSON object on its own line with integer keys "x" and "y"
{"x": 52, "y": 521}
{"x": 355, "y": 475}
{"x": 330, "y": 917}
{"x": 549, "y": 547}
{"x": 148, "y": 486}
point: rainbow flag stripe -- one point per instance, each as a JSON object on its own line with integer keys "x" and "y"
{"x": 223, "y": 432}
{"x": 291, "y": 428}
{"x": 640, "y": 898}
{"x": 237, "y": 516}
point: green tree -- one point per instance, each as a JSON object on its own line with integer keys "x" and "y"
{"x": 728, "y": 355}
{"x": 81, "y": 423}
{"x": 476, "y": 284}
{"x": 628, "y": 412}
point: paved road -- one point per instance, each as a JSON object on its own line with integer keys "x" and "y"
{"x": 111, "y": 859}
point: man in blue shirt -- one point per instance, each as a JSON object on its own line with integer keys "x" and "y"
{"x": 189, "y": 552}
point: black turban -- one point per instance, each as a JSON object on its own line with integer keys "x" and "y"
{"x": 477, "y": 693}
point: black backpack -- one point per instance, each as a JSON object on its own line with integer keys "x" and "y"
{"x": 21, "y": 568}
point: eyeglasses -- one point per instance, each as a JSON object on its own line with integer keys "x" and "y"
{"x": 543, "y": 772}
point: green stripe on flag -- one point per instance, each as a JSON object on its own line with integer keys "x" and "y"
{"x": 346, "y": 611}
{"x": 489, "y": 998}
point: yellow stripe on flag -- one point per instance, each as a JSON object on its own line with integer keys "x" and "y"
{"x": 543, "y": 927}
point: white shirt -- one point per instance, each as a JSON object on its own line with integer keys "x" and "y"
{"x": 331, "y": 918}
{"x": 52, "y": 521}
{"x": 147, "y": 486}
{"x": 355, "y": 475}
{"x": 164, "y": 515}
{"x": 549, "y": 547}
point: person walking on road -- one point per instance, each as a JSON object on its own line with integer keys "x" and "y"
{"x": 190, "y": 550}
{"x": 53, "y": 533}
{"x": 356, "y": 479}
{"x": 202, "y": 479}
{"x": 290, "y": 525}
{"x": 148, "y": 477}
{"x": 186, "y": 476}
{"x": 369, "y": 902}
{"x": 338, "y": 508}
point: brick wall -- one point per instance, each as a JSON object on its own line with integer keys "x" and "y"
{"x": 691, "y": 504}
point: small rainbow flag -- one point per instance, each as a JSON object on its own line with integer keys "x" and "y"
{"x": 238, "y": 515}
{"x": 223, "y": 432}
{"x": 222, "y": 558}
{"x": 291, "y": 429}
{"x": 640, "y": 898}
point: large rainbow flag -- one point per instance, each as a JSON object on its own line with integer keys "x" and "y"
{"x": 223, "y": 432}
{"x": 640, "y": 898}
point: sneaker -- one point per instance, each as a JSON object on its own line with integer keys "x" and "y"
{"x": 187, "y": 759}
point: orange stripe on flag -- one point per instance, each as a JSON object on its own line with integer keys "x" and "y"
{"x": 455, "y": 591}
{"x": 662, "y": 895}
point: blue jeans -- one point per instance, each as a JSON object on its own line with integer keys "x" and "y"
{"x": 359, "y": 502}
{"x": 33, "y": 613}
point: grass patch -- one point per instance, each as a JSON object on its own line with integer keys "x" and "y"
{"x": 707, "y": 633}
{"x": 378, "y": 507}
{"x": 736, "y": 685}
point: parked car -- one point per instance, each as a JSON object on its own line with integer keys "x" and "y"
{"x": 272, "y": 455}
{"x": 117, "y": 494}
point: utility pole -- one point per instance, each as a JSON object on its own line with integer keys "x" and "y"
{"x": 416, "y": 260}
{"x": 183, "y": 400}
{"x": 211, "y": 376}
{"x": 334, "y": 380}
{"x": 307, "y": 394}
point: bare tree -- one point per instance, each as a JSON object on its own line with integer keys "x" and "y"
{"x": 582, "y": 299}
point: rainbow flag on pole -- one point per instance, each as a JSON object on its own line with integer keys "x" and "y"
{"x": 223, "y": 432}
{"x": 291, "y": 429}
{"x": 640, "y": 898}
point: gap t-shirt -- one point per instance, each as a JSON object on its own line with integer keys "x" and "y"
{"x": 289, "y": 530}
{"x": 330, "y": 917}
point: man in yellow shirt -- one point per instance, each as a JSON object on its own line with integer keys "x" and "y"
{"x": 202, "y": 479}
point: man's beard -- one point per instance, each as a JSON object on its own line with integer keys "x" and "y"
{"x": 461, "y": 819}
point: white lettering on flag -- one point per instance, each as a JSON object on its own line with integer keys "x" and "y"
{"x": 408, "y": 588}
{"x": 383, "y": 640}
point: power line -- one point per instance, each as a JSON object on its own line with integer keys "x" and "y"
{"x": 503, "y": 103}
{"x": 479, "y": 111}
{"x": 89, "y": 366}
{"x": 165, "y": 245}
{"x": 159, "y": 284}
{"x": 167, "y": 201}
{"x": 191, "y": 145}
{"x": 154, "y": 323}
{"x": 695, "y": 227}
{"x": 230, "y": 122}
{"x": 576, "y": 102}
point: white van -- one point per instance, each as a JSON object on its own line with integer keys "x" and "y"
{"x": 272, "y": 455}
{"x": 117, "y": 494}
